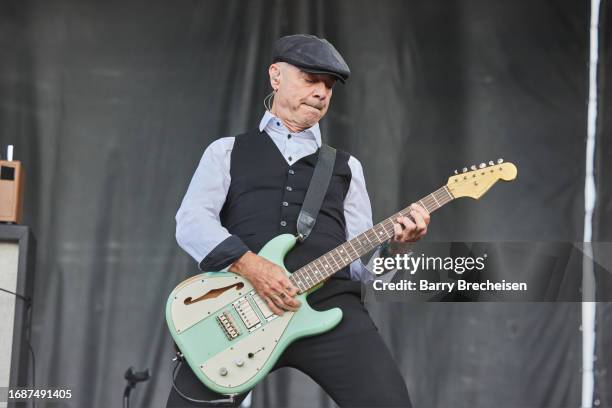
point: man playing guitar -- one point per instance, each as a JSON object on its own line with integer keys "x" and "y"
{"x": 249, "y": 188}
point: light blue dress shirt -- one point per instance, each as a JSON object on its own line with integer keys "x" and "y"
{"x": 198, "y": 224}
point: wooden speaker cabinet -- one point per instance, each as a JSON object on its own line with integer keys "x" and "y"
{"x": 11, "y": 191}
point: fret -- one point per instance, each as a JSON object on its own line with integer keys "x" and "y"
{"x": 447, "y": 194}
{"x": 434, "y": 197}
{"x": 307, "y": 274}
{"x": 333, "y": 265}
{"x": 357, "y": 240}
{"x": 339, "y": 258}
{"x": 432, "y": 202}
{"x": 450, "y": 196}
{"x": 344, "y": 254}
{"x": 381, "y": 231}
{"x": 364, "y": 244}
{"x": 325, "y": 263}
{"x": 331, "y": 269}
{"x": 321, "y": 269}
{"x": 365, "y": 234}
{"x": 423, "y": 205}
{"x": 426, "y": 203}
{"x": 331, "y": 254}
{"x": 314, "y": 270}
{"x": 379, "y": 238}
{"x": 371, "y": 237}
{"x": 440, "y": 198}
{"x": 297, "y": 281}
{"x": 302, "y": 279}
{"x": 388, "y": 229}
{"x": 302, "y": 287}
{"x": 353, "y": 248}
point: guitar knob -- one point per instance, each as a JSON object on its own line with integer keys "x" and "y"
{"x": 500, "y": 161}
{"x": 482, "y": 165}
{"x": 465, "y": 169}
{"x": 473, "y": 167}
{"x": 223, "y": 371}
{"x": 239, "y": 363}
{"x": 491, "y": 163}
{"x": 456, "y": 172}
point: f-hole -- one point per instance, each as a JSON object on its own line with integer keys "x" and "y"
{"x": 213, "y": 293}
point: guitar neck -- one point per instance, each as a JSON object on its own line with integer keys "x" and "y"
{"x": 315, "y": 272}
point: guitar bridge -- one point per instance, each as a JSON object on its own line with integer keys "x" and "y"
{"x": 229, "y": 327}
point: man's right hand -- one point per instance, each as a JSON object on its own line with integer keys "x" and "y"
{"x": 269, "y": 281}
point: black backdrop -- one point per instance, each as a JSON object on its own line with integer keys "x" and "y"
{"x": 110, "y": 105}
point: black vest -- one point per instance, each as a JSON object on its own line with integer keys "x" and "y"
{"x": 266, "y": 194}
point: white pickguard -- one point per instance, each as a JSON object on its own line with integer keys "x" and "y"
{"x": 229, "y": 359}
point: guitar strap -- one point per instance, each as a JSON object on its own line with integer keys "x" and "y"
{"x": 319, "y": 183}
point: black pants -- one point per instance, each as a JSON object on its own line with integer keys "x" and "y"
{"x": 351, "y": 362}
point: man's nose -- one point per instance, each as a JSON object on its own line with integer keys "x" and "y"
{"x": 320, "y": 90}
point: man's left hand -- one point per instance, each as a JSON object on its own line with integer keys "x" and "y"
{"x": 411, "y": 230}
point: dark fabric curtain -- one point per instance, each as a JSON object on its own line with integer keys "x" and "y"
{"x": 111, "y": 104}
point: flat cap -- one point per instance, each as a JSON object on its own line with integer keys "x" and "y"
{"x": 311, "y": 54}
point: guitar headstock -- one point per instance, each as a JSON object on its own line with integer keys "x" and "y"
{"x": 478, "y": 180}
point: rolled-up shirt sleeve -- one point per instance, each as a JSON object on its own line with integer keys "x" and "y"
{"x": 198, "y": 225}
{"x": 358, "y": 216}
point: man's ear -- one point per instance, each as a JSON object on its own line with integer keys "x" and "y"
{"x": 275, "y": 73}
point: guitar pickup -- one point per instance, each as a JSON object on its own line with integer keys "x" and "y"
{"x": 229, "y": 327}
{"x": 267, "y": 313}
{"x": 247, "y": 314}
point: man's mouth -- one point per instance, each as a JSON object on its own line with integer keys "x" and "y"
{"x": 317, "y": 107}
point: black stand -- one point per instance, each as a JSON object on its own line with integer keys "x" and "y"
{"x": 133, "y": 378}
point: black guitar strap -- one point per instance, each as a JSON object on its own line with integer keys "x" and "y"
{"x": 319, "y": 183}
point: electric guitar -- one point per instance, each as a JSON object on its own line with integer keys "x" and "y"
{"x": 229, "y": 336}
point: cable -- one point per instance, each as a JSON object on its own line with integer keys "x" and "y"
{"x": 268, "y": 101}
{"x": 25, "y": 299}
{"x": 229, "y": 402}
{"x": 28, "y": 337}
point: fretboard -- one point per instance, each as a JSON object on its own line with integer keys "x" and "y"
{"x": 326, "y": 265}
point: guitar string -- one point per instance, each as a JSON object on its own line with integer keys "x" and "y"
{"x": 296, "y": 277}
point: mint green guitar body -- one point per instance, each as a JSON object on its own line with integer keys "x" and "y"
{"x": 226, "y": 333}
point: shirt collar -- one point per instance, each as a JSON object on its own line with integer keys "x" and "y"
{"x": 312, "y": 132}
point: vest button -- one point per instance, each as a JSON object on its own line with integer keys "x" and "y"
{"x": 289, "y": 136}
{"x": 283, "y": 223}
{"x": 291, "y": 171}
{"x": 289, "y": 188}
{"x": 285, "y": 204}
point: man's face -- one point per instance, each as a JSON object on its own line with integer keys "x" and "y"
{"x": 302, "y": 98}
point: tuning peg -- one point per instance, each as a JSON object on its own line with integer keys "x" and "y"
{"x": 500, "y": 161}
{"x": 482, "y": 165}
{"x": 491, "y": 163}
{"x": 473, "y": 167}
{"x": 456, "y": 172}
{"x": 465, "y": 169}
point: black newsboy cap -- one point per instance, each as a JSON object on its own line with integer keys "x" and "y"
{"x": 311, "y": 54}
